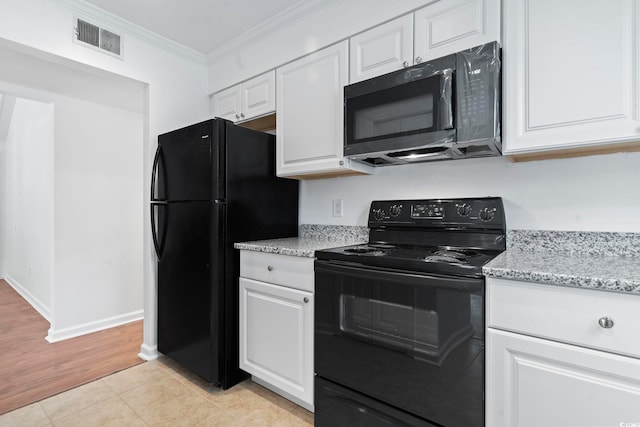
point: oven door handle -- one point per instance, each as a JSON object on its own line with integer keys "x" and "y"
{"x": 410, "y": 278}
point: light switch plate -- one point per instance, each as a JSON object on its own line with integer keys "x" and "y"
{"x": 337, "y": 207}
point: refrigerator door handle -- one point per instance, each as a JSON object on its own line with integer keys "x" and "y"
{"x": 154, "y": 171}
{"x": 156, "y": 243}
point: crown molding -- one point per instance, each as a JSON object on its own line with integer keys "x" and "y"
{"x": 281, "y": 20}
{"x": 99, "y": 16}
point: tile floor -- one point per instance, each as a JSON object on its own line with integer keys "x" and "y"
{"x": 160, "y": 393}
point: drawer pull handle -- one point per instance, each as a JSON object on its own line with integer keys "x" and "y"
{"x": 305, "y": 299}
{"x": 270, "y": 268}
{"x": 606, "y": 322}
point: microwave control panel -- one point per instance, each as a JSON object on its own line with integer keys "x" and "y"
{"x": 478, "y": 88}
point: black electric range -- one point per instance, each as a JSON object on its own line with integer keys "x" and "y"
{"x": 399, "y": 320}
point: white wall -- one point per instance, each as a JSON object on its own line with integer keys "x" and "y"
{"x": 93, "y": 182}
{"x": 176, "y": 94}
{"x": 26, "y": 177}
{"x": 6, "y": 111}
{"x": 98, "y": 217}
{"x": 596, "y": 193}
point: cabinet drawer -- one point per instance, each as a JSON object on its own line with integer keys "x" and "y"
{"x": 285, "y": 270}
{"x": 564, "y": 314}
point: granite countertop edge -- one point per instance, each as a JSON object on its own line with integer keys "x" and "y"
{"x": 312, "y": 238}
{"x": 563, "y": 265}
{"x": 598, "y": 272}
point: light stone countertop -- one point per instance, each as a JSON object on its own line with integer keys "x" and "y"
{"x": 604, "y": 261}
{"x": 311, "y": 239}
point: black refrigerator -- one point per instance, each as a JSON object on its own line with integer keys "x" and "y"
{"x": 213, "y": 184}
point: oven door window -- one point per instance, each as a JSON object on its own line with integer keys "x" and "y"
{"x": 414, "y": 341}
{"x": 401, "y": 111}
{"x": 409, "y": 325}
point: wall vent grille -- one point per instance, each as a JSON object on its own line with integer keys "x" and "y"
{"x": 98, "y": 37}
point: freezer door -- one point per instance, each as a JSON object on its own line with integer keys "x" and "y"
{"x": 191, "y": 287}
{"x": 187, "y": 165}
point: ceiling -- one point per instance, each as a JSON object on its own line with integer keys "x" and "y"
{"x": 202, "y": 25}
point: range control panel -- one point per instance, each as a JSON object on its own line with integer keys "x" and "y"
{"x": 486, "y": 212}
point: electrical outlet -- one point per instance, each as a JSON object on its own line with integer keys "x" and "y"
{"x": 337, "y": 207}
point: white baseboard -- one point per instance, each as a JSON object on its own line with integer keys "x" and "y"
{"x": 99, "y": 325}
{"x": 29, "y": 297}
{"x": 149, "y": 352}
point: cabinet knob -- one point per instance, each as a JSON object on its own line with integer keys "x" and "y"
{"x": 242, "y": 115}
{"x": 270, "y": 268}
{"x": 341, "y": 162}
{"x": 418, "y": 59}
{"x": 305, "y": 299}
{"x": 237, "y": 116}
{"x": 606, "y": 322}
{"x": 405, "y": 64}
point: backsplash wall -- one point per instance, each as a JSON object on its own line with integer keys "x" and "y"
{"x": 595, "y": 193}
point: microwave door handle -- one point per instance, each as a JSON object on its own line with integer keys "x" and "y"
{"x": 446, "y": 99}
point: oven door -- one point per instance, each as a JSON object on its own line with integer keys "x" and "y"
{"x": 412, "y": 341}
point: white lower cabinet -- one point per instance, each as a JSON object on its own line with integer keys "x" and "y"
{"x": 276, "y": 333}
{"x": 534, "y": 380}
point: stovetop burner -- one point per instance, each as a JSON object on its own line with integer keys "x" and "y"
{"x": 447, "y": 256}
{"x": 365, "y": 250}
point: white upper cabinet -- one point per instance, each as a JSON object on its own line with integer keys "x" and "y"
{"x": 226, "y": 103}
{"x": 383, "y": 49}
{"x": 310, "y": 117}
{"x": 449, "y": 26}
{"x": 438, "y": 29}
{"x": 247, "y": 100}
{"x": 571, "y": 74}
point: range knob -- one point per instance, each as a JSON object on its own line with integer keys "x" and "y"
{"x": 463, "y": 209}
{"x": 378, "y": 214}
{"x": 487, "y": 214}
{"x": 395, "y": 210}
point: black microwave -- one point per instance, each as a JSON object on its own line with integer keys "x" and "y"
{"x": 447, "y": 108}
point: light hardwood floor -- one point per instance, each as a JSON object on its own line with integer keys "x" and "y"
{"x": 157, "y": 393}
{"x": 32, "y": 369}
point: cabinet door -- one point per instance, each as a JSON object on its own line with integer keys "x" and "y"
{"x": 259, "y": 96}
{"x": 450, "y": 26}
{"x": 276, "y": 337}
{"x": 383, "y": 49}
{"x": 571, "y": 74}
{"x": 310, "y": 116}
{"x": 532, "y": 382}
{"x": 227, "y": 103}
